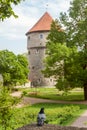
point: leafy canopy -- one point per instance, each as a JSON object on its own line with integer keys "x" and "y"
{"x": 6, "y": 9}
{"x": 66, "y": 50}
{"x": 14, "y": 69}
{"x": 7, "y": 106}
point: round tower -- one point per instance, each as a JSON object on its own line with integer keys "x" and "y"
{"x": 36, "y": 45}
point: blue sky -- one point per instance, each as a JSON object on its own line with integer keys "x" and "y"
{"x": 12, "y": 31}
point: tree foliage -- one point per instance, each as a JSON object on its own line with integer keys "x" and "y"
{"x": 7, "y": 104}
{"x": 67, "y": 50}
{"x": 6, "y": 9}
{"x": 14, "y": 69}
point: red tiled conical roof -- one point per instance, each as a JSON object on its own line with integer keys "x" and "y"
{"x": 44, "y": 24}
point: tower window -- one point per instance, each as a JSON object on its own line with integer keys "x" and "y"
{"x": 29, "y": 38}
{"x": 33, "y": 67}
{"x": 39, "y": 80}
{"x": 37, "y": 51}
{"x": 50, "y": 80}
{"x": 41, "y": 36}
{"x": 29, "y": 52}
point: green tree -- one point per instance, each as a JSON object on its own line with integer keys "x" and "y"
{"x": 7, "y": 104}
{"x": 6, "y": 9}
{"x": 67, "y": 58}
{"x": 24, "y": 63}
{"x": 14, "y": 69}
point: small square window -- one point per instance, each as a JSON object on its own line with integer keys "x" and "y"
{"x": 41, "y": 36}
{"x": 29, "y": 38}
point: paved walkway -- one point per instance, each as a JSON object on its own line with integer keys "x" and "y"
{"x": 80, "y": 122}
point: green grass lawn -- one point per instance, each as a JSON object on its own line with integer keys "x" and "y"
{"x": 54, "y": 94}
{"x": 59, "y": 114}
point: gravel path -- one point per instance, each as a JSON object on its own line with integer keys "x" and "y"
{"x": 81, "y": 121}
{"x": 31, "y": 100}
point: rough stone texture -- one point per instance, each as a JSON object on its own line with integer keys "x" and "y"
{"x": 49, "y": 127}
{"x": 34, "y": 40}
{"x": 36, "y": 52}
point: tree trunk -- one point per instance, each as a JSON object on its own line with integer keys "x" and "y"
{"x": 85, "y": 84}
{"x": 85, "y": 92}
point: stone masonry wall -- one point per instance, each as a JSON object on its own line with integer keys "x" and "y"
{"x": 34, "y": 39}
{"x": 36, "y": 45}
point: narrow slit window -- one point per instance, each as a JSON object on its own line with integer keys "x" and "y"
{"x": 29, "y": 52}
{"x": 33, "y": 67}
{"x": 37, "y": 51}
{"x": 29, "y": 38}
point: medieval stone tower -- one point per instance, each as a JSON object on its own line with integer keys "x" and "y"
{"x": 36, "y": 45}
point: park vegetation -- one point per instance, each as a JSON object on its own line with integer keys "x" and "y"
{"x": 14, "y": 69}
{"x": 58, "y": 114}
{"x": 54, "y": 94}
{"x": 66, "y": 62}
{"x": 6, "y": 8}
{"x": 7, "y": 105}
{"x": 66, "y": 59}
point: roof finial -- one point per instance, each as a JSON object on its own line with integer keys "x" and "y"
{"x": 46, "y": 6}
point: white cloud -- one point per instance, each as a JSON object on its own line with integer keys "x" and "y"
{"x": 29, "y": 12}
{"x": 16, "y": 28}
{"x": 28, "y": 15}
